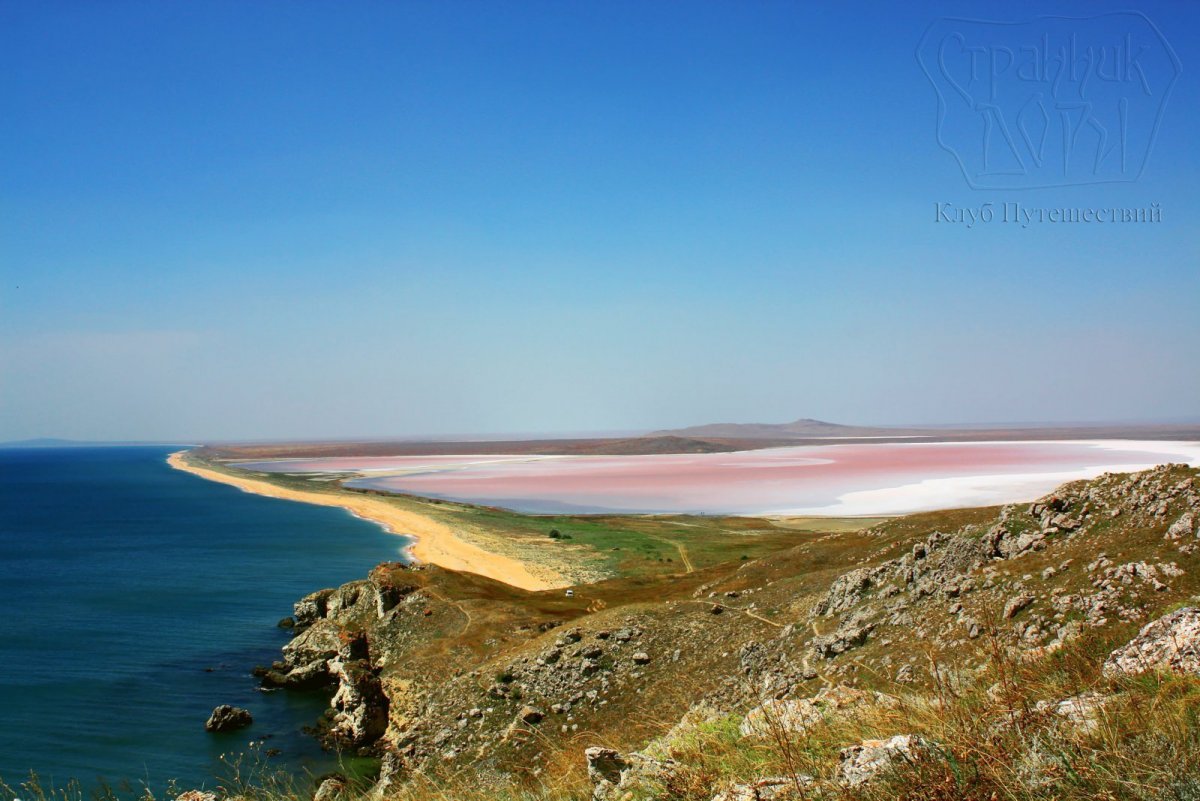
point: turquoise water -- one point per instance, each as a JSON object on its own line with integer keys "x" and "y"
{"x": 135, "y": 598}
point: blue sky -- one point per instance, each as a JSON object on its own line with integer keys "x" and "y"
{"x": 274, "y": 220}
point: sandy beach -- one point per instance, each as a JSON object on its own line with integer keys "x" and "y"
{"x": 435, "y": 542}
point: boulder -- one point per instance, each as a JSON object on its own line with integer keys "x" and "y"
{"x": 605, "y": 765}
{"x": 1065, "y": 522}
{"x": 305, "y": 677}
{"x": 616, "y": 776}
{"x": 331, "y": 788}
{"x": 780, "y": 718}
{"x": 1170, "y": 643}
{"x": 1017, "y": 603}
{"x": 862, "y": 763}
{"x": 839, "y": 696}
{"x": 850, "y": 634}
{"x": 1182, "y": 527}
{"x": 775, "y": 718}
{"x": 196, "y": 795}
{"x": 1084, "y": 711}
{"x": 774, "y": 788}
{"x": 228, "y": 718}
{"x": 531, "y": 715}
{"x": 846, "y": 591}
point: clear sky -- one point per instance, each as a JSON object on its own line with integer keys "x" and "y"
{"x": 290, "y": 220}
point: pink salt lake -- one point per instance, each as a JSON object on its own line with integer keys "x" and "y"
{"x": 850, "y": 479}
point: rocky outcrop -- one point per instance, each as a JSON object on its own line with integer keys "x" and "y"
{"x": 850, "y": 633}
{"x": 331, "y": 648}
{"x": 1015, "y": 605}
{"x": 847, "y": 590}
{"x": 862, "y": 763}
{"x": 781, "y": 718}
{"x": 306, "y": 658}
{"x": 1169, "y": 643}
{"x": 530, "y": 715}
{"x": 360, "y": 707}
{"x": 1084, "y": 711}
{"x": 331, "y": 788}
{"x": 615, "y": 776}
{"x": 228, "y": 718}
{"x": 1185, "y": 526}
{"x": 784, "y": 718}
{"x": 867, "y": 600}
{"x": 774, "y": 788}
{"x": 311, "y": 607}
{"x": 196, "y": 795}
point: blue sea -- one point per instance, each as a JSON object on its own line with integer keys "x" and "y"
{"x": 134, "y": 598}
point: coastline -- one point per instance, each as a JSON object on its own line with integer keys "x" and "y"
{"x": 434, "y": 542}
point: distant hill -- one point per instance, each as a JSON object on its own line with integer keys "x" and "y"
{"x": 804, "y": 428}
{"x": 640, "y": 446}
{"x": 712, "y": 438}
{"x": 625, "y": 446}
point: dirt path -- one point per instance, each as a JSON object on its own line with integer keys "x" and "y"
{"x": 748, "y": 612}
{"x": 683, "y": 554}
{"x": 469, "y": 620}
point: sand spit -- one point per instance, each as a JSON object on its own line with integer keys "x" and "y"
{"x": 435, "y": 542}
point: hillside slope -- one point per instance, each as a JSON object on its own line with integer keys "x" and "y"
{"x": 945, "y": 629}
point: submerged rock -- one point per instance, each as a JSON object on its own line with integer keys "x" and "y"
{"x": 228, "y": 718}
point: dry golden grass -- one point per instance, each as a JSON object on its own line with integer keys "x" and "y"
{"x": 989, "y": 738}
